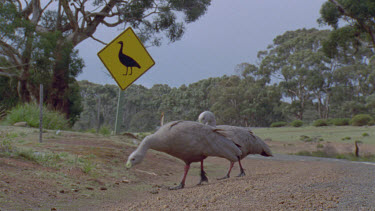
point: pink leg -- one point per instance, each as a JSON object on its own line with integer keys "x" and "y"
{"x": 182, "y": 184}
{"x": 228, "y": 174}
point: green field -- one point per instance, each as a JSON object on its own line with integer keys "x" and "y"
{"x": 329, "y": 133}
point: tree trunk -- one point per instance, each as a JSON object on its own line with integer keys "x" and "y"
{"x": 58, "y": 97}
{"x": 356, "y": 149}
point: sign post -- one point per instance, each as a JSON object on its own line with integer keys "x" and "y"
{"x": 126, "y": 59}
{"x": 40, "y": 112}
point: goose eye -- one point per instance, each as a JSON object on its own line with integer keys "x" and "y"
{"x": 132, "y": 159}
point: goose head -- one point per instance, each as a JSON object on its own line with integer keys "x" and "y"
{"x": 134, "y": 159}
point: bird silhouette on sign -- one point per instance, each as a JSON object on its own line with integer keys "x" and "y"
{"x": 127, "y": 61}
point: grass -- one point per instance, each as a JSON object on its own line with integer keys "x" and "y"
{"x": 29, "y": 113}
{"x": 347, "y": 156}
{"x": 328, "y": 133}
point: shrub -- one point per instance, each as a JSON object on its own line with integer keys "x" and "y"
{"x": 365, "y": 134}
{"x": 319, "y": 146}
{"x": 296, "y": 123}
{"x": 278, "y": 124}
{"x": 104, "y": 130}
{"x": 340, "y": 121}
{"x": 30, "y": 113}
{"x": 361, "y": 119}
{"x": 320, "y": 123}
{"x": 346, "y": 138}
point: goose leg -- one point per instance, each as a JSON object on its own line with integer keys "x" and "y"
{"x": 242, "y": 171}
{"x": 126, "y": 71}
{"x": 182, "y": 184}
{"x": 203, "y": 175}
{"x": 228, "y": 174}
{"x": 131, "y": 70}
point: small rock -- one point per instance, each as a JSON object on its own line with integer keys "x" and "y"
{"x": 89, "y": 188}
{"x": 125, "y": 181}
{"x": 53, "y": 209}
{"x": 62, "y": 191}
{"x": 20, "y": 124}
{"x": 154, "y": 191}
{"x": 103, "y": 188}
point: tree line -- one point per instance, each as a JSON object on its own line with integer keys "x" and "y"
{"x": 294, "y": 78}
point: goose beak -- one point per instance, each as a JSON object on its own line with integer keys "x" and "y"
{"x": 128, "y": 165}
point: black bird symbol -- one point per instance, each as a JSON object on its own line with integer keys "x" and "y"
{"x": 127, "y": 61}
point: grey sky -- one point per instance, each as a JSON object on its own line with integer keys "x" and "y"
{"x": 230, "y": 33}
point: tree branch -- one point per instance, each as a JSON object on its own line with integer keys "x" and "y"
{"x": 70, "y": 15}
{"x": 5, "y": 74}
{"x": 98, "y": 40}
{"x": 112, "y": 24}
{"x": 11, "y": 52}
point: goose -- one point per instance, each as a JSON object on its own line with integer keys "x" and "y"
{"x": 189, "y": 141}
{"x": 241, "y": 136}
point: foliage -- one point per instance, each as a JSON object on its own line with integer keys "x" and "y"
{"x": 340, "y": 121}
{"x": 296, "y": 123}
{"x": 346, "y": 138}
{"x": 320, "y": 123}
{"x": 365, "y": 134}
{"x": 29, "y": 113}
{"x": 355, "y": 17}
{"x": 142, "y": 107}
{"x": 305, "y": 138}
{"x": 361, "y": 119}
{"x": 105, "y": 130}
{"x": 278, "y": 124}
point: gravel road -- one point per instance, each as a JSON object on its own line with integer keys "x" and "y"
{"x": 277, "y": 183}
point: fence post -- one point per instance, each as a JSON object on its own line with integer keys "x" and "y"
{"x": 40, "y": 112}
{"x": 119, "y": 112}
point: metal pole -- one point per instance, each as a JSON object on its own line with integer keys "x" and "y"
{"x": 98, "y": 114}
{"x": 40, "y": 112}
{"x": 119, "y": 112}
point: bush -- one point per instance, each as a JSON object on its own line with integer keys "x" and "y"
{"x": 30, "y": 113}
{"x": 104, "y": 130}
{"x": 296, "y": 123}
{"x": 340, "y": 121}
{"x": 278, "y": 124}
{"x": 361, "y": 119}
{"x": 365, "y": 134}
{"x": 320, "y": 123}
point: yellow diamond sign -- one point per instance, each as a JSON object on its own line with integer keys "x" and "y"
{"x": 126, "y": 58}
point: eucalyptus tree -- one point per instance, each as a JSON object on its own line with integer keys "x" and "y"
{"x": 68, "y": 23}
{"x": 296, "y": 63}
{"x": 354, "y": 19}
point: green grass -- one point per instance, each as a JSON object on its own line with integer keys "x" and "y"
{"x": 347, "y": 156}
{"x": 328, "y": 133}
{"x": 30, "y": 113}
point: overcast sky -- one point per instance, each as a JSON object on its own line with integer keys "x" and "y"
{"x": 230, "y": 33}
